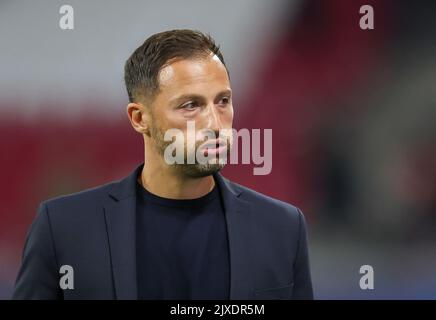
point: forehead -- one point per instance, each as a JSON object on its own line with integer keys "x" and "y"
{"x": 193, "y": 73}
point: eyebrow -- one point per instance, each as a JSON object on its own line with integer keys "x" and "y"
{"x": 188, "y": 96}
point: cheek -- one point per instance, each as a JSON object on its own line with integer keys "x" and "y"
{"x": 172, "y": 120}
{"x": 228, "y": 117}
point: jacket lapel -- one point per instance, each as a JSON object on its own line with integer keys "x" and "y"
{"x": 120, "y": 214}
{"x": 238, "y": 217}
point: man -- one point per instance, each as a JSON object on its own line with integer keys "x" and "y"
{"x": 170, "y": 230}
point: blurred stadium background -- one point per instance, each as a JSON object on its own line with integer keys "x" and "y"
{"x": 353, "y": 116}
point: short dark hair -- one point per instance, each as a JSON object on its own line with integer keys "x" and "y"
{"x": 142, "y": 68}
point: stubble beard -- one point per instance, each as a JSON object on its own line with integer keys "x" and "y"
{"x": 194, "y": 170}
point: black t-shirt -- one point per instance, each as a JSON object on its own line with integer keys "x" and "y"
{"x": 182, "y": 247}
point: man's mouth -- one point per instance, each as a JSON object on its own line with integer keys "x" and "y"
{"x": 214, "y": 147}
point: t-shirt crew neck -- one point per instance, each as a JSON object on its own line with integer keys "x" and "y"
{"x": 182, "y": 247}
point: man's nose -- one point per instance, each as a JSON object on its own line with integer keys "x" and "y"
{"x": 213, "y": 119}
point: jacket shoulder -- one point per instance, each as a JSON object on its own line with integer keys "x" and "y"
{"x": 268, "y": 205}
{"x": 84, "y": 198}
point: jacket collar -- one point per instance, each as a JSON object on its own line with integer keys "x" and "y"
{"x": 120, "y": 217}
{"x": 126, "y": 187}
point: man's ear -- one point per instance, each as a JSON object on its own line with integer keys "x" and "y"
{"x": 139, "y": 117}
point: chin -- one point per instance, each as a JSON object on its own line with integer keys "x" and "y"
{"x": 201, "y": 170}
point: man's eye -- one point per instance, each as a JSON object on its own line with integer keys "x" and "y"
{"x": 190, "y": 106}
{"x": 225, "y": 101}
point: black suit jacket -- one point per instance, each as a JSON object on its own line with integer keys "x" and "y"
{"x": 94, "y": 232}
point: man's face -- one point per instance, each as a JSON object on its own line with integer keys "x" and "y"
{"x": 195, "y": 90}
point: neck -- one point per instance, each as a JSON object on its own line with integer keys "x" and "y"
{"x": 164, "y": 181}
